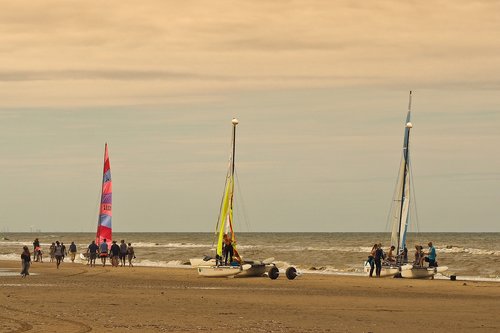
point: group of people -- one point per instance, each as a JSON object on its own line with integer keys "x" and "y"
{"x": 378, "y": 257}
{"x": 118, "y": 254}
{"x": 57, "y": 251}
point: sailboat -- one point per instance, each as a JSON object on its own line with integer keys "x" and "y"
{"x": 104, "y": 228}
{"x": 400, "y": 217}
{"x": 220, "y": 266}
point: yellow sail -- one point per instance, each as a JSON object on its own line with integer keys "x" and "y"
{"x": 226, "y": 214}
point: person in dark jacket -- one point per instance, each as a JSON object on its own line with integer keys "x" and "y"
{"x": 26, "y": 261}
{"x": 379, "y": 256}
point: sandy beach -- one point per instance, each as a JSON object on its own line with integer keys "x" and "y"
{"x": 77, "y": 298}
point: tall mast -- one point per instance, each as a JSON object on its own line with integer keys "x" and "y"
{"x": 405, "y": 172}
{"x": 235, "y": 122}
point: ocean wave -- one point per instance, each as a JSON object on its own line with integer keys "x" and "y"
{"x": 473, "y": 251}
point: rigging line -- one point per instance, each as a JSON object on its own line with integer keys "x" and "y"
{"x": 414, "y": 201}
{"x": 395, "y": 198}
{"x": 242, "y": 205}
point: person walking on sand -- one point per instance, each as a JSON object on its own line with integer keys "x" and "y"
{"x": 123, "y": 252}
{"x": 114, "y": 253}
{"x": 103, "y": 252}
{"x": 58, "y": 253}
{"x": 92, "y": 251}
{"x": 72, "y": 251}
{"x": 25, "y": 261}
{"x": 36, "y": 243}
{"x": 39, "y": 254}
{"x": 64, "y": 251}
{"x": 130, "y": 254}
{"x": 51, "y": 252}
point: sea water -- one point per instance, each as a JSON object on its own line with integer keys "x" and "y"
{"x": 472, "y": 255}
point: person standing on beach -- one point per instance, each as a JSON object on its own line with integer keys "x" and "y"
{"x": 123, "y": 252}
{"x": 379, "y": 255}
{"x": 130, "y": 254}
{"x": 25, "y": 261}
{"x": 64, "y": 252}
{"x": 114, "y": 254}
{"x": 103, "y": 252}
{"x": 228, "y": 250}
{"x": 92, "y": 251}
{"x": 72, "y": 251}
{"x": 371, "y": 259}
{"x": 36, "y": 243}
{"x": 58, "y": 253}
{"x": 51, "y": 251}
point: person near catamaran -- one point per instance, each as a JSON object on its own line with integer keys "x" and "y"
{"x": 228, "y": 250}
{"x": 103, "y": 252}
{"x": 92, "y": 251}
{"x": 371, "y": 259}
{"x": 123, "y": 252}
{"x": 379, "y": 255}
{"x": 431, "y": 255}
{"x": 114, "y": 253}
{"x": 390, "y": 255}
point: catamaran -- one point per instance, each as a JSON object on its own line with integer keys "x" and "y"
{"x": 400, "y": 217}
{"x": 104, "y": 229}
{"x": 221, "y": 265}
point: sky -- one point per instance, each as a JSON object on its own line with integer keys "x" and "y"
{"x": 320, "y": 89}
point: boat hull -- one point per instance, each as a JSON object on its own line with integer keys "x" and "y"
{"x": 387, "y": 270}
{"x": 422, "y": 272}
{"x": 254, "y": 270}
{"x": 195, "y": 262}
{"x": 219, "y": 271}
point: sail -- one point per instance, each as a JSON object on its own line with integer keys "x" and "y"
{"x": 225, "y": 222}
{"x": 104, "y": 230}
{"x": 400, "y": 211}
{"x": 226, "y": 214}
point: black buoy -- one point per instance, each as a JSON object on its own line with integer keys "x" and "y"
{"x": 291, "y": 273}
{"x": 274, "y": 273}
{"x": 453, "y": 277}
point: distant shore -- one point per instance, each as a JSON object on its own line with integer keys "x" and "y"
{"x": 77, "y": 298}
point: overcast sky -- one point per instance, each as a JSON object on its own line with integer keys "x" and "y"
{"x": 320, "y": 89}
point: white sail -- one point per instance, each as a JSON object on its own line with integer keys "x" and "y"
{"x": 400, "y": 210}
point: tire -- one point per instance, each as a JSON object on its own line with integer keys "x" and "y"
{"x": 291, "y": 273}
{"x": 274, "y": 273}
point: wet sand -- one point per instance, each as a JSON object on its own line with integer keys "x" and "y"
{"x": 77, "y": 298}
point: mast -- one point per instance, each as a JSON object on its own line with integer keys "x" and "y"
{"x": 225, "y": 220}
{"x": 406, "y": 148}
{"x": 235, "y": 122}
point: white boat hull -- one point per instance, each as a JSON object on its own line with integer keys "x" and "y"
{"x": 219, "y": 271}
{"x": 195, "y": 262}
{"x": 387, "y": 270}
{"x": 422, "y": 272}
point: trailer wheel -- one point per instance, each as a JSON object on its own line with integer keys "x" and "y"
{"x": 274, "y": 273}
